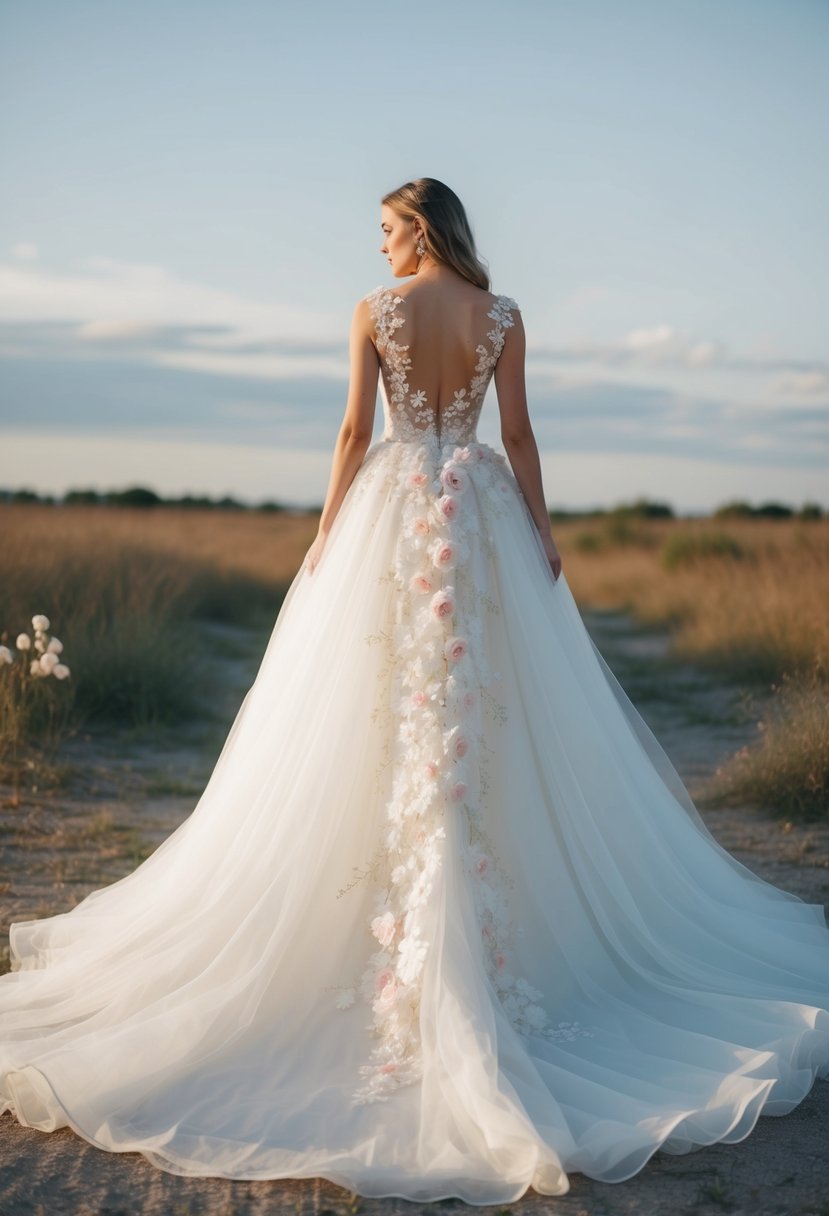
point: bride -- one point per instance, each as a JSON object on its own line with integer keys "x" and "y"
{"x": 444, "y": 921}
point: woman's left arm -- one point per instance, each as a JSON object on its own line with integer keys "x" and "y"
{"x": 356, "y": 428}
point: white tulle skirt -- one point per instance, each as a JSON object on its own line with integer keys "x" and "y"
{"x": 444, "y": 921}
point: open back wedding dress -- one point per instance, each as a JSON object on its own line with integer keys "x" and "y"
{"x": 444, "y": 921}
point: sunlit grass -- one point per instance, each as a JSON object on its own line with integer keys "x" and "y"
{"x": 125, "y": 587}
{"x": 787, "y": 769}
{"x": 748, "y": 599}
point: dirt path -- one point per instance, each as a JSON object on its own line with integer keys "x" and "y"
{"x": 128, "y": 793}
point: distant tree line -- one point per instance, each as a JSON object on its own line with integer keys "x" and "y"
{"x": 141, "y": 496}
{"x": 644, "y": 508}
{"x": 639, "y": 508}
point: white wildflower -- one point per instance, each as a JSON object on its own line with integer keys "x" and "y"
{"x": 23, "y": 642}
{"x": 40, "y": 622}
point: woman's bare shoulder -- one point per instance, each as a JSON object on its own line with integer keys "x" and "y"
{"x": 455, "y": 290}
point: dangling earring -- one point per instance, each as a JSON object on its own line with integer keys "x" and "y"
{"x": 420, "y": 248}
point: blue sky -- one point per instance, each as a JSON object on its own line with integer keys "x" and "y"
{"x": 191, "y": 209}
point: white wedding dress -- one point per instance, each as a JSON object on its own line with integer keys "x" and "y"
{"x": 444, "y": 921}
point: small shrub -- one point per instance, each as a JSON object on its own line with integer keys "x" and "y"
{"x": 810, "y": 511}
{"x": 689, "y": 548}
{"x": 787, "y": 770}
{"x": 645, "y": 508}
{"x": 589, "y": 542}
{"x": 735, "y": 510}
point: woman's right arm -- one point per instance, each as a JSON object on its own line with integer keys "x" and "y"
{"x": 517, "y": 433}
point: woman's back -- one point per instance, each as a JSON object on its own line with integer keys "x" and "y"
{"x": 438, "y": 341}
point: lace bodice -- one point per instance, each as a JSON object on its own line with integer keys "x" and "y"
{"x": 409, "y": 414}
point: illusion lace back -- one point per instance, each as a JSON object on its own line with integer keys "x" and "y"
{"x": 411, "y": 412}
{"x": 444, "y": 920}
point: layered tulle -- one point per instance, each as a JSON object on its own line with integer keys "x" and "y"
{"x": 444, "y": 920}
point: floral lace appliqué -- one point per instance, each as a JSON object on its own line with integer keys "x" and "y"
{"x": 439, "y": 682}
{"x": 408, "y": 413}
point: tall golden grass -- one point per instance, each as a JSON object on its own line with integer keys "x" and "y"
{"x": 123, "y": 586}
{"x": 747, "y": 598}
{"x": 757, "y": 612}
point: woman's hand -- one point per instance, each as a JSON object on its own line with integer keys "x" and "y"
{"x": 553, "y": 555}
{"x": 314, "y": 554}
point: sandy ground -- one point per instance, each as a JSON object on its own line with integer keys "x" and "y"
{"x": 122, "y": 795}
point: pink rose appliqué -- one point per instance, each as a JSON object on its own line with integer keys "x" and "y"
{"x": 461, "y": 746}
{"x": 454, "y": 478}
{"x": 421, "y": 526}
{"x": 457, "y": 791}
{"x": 455, "y": 648}
{"x": 421, "y": 582}
{"x": 386, "y": 976}
{"x": 443, "y": 604}
{"x": 418, "y": 479}
{"x": 445, "y": 554}
{"x": 448, "y": 506}
{"x": 387, "y": 997}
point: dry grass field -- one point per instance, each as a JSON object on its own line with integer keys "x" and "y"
{"x": 743, "y": 597}
{"x": 122, "y": 587}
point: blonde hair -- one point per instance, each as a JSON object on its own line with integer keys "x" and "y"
{"x": 447, "y": 233}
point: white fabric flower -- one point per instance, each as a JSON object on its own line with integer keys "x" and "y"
{"x": 383, "y": 928}
{"x": 23, "y": 642}
{"x": 411, "y": 957}
{"x": 535, "y": 1017}
{"x": 55, "y": 646}
{"x": 40, "y": 622}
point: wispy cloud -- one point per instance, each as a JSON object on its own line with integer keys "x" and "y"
{"x": 118, "y": 305}
{"x": 663, "y": 346}
{"x": 805, "y": 383}
{"x": 107, "y": 292}
{"x": 24, "y": 251}
{"x": 139, "y": 350}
